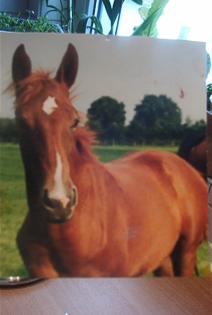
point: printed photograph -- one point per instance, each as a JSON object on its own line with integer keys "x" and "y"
{"x": 103, "y": 157}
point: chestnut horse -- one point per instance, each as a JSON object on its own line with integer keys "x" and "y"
{"x": 145, "y": 212}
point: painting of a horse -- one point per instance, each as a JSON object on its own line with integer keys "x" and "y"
{"x": 146, "y": 212}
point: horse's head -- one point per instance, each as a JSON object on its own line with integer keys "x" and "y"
{"x": 47, "y": 120}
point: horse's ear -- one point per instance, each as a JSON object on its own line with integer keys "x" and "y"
{"x": 67, "y": 71}
{"x": 21, "y": 64}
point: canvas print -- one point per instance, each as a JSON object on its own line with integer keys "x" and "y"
{"x": 100, "y": 175}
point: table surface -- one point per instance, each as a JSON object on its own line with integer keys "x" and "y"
{"x": 112, "y": 296}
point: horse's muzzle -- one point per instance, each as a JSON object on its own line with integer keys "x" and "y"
{"x": 60, "y": 210}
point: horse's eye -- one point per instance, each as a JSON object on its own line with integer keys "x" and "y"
{"x": 75, "y": 123}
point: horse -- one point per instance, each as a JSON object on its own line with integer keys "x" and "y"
{"x": 146, "y": 212}
{"x": 194, "y": 150}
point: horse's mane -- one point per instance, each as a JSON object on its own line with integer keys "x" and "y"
{"x": 33, "y": 85}
{"x": 84, "y": 139}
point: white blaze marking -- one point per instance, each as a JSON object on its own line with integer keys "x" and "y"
{"x": 59, "y": 190}
{"x": 49, "y": 105}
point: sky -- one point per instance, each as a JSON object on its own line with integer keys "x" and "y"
{"x": 125, "y": 68}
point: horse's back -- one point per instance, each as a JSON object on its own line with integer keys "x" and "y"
{"x": 164, "y": 177}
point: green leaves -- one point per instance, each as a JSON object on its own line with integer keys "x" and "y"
{"x": 8, "y": 23}
{"x": 156, "y": 119}
{"x": 108, "y": 8}
{"x": 140, "y": 2}
{"x": 71, "y": 21}
{"x": 209, "y": 88}
{"x": 116, "y": 10}
{"x": 113, "y": 11}
{"x": 64, "y": 21}
{"x": 83, "y": 24}
{"x": 107, "y": 117}
{"x": 148, "y": 27}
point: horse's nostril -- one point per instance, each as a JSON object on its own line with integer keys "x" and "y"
{"x": 51, "y": 203}
{"x": 60, "y": 208}
{"x": 46, "y": 200}
{"x": 61, "y": 203}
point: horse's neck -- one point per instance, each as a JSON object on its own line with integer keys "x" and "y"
{"x": 82, "y": 167}
{"x": 81, "y": 156}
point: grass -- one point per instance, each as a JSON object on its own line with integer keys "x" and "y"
{"x": 109, "y": 153}
{"x": 13, "y": 206}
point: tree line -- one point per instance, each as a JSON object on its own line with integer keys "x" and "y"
{"x": 156, "y": 120}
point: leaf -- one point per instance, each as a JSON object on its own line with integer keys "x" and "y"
{"x": 82, "y": 25}
{"x": 60, "y": 11}
{"x": 49, "y": 11}
{"x": 55, "y": 9}
{"x": 98, "y": 26}
{"x": 140, "y": 2}
{"x": 158, "y": 5}
{"x": 108, "y": 8}
{"x": 117, "y": 5}
{"x": 148, "y": 27}
{"x": 143, "y": 11}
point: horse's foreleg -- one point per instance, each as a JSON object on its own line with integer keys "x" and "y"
{"x": 35, "y": 254}
{"x": 165, "y": 268}
{"x": 37, "y": 261}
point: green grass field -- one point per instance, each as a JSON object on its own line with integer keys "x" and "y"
{"x": 13, "y": 206}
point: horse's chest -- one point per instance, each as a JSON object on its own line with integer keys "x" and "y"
{"x": 75, "y": 244}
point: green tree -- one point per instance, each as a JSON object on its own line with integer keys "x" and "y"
{"x": 106, "y": 116}
{"x": 157, "y": 119}
{"x": 193, "y": 133}
{"x": 193, "y": 129}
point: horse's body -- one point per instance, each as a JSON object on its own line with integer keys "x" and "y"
{"x": 145, "y": 212}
